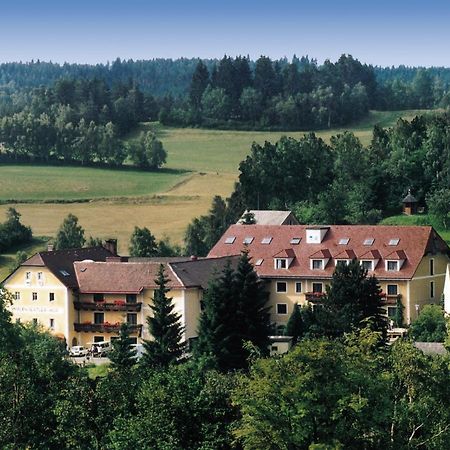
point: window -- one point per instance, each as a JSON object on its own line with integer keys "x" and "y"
{"x": 131, "y": 298}
{"x": 295, "y": 241}
{"x": 35, "y": 321}
{"x": 52, "y": 324}
{"x": 392, "y": 312}
{"x": 40, "y": 276}
{"x": 431, "y": 266}
{"x": 64, "y": 273}
{"x": 392, "y": 289}
{"x": 247, "y": 240}
{"x": 317, "y": 287}
{"x": 282, "y": 308}
{"x": 132, "y": 319}
{"x": 133, "y": 340}
{"x": 341, "y": 262}
{"x": 432, "y": 289}
{"x": 230, "y": 239}
{"x": 368, "y": 241}
{"x": 317, "y": 264}
{"x": 99, "y": 318}
{"x": 98, "y": 339}
{"x": 394, "y": 241}
{"x": 281, "y": 286}
{"x": 99, "y": 297}
{"x": 27, "y": 277}
{"x": 16, "y": 295}
{"x": 280, "y": 263}
{"x": 34, "y": 296}
{"x": 344, "y": 241}
{"x": 298, "y": 287}
{"x": 392, "y": 265}
{"x": 367, "y": 265}
{"x": 274, "y": 348}
{"x": 267, "y": 240}
{"x": 259, "y": 262}
{"x": 51, "y": 297}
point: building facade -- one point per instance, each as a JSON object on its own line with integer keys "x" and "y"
{"x": 298, "y": 262}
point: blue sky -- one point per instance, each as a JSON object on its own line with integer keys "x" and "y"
{"x": 379, "y": 32}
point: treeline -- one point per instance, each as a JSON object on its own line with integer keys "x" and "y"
{"x": 296, "y": 95}
{"x": 342, "y": 182}
{"x": 79, "y": 121}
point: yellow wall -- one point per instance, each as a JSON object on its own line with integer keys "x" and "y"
{"x": 41, "y": 309}
{"x": 192, "y": 310}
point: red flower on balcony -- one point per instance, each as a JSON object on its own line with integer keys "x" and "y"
{"x": 120, "y": 302}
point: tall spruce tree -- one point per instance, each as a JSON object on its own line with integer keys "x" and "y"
{"x": 123, "y": 356}
{"x": 164, "y": 326}
{"x": 70, "y": 234}
{"x": 200, "y": 80}
{"x": 235, "y": 312}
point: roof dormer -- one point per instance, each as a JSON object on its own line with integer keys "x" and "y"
{"x": 319, "y": 260}
{"x": 283, "y": 259}
{"x": 315, "y": 235}
{"x": 395, "y": 260}
{"x": 344, "y": 257}
{"x": 370, "y": 259}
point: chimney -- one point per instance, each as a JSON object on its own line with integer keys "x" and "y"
{"x": 193, "y": 258}
{"x": 50, "y": 247}
{"x": 111, "y": 246}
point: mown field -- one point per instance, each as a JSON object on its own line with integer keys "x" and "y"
{"x": 109, "y": 203}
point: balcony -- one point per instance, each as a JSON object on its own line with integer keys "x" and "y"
{"x": 118, "y": 305}
{"x": 314, "y": 296}
{"x": 105, "y": 327}
{"x": 387, "y": 299}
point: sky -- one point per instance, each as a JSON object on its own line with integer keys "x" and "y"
{"x": 379, "y": 32}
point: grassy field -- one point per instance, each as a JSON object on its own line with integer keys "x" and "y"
{"x": 201, "y": 164}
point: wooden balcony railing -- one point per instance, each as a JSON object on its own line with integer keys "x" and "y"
{"x": 314, "y": 296}
{"x": 103, "y": 306}
{"x": 104, "y": 327}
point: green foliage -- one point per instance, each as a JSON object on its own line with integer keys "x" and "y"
{"x": 122, "y": 355}
{"x": 147, "y": 152}
{"x": 235, "y": 313}
{"x": 70, "y": 234}
{"x": 12, "y": 231}
{"x": 430, "y": 326}
{"x": 20, "y": 258}
{"x": 295, "y": 327}
{"x": 164, "y": 326}
{"x": 439, "y": 207}
{"x": 143, "y": 243}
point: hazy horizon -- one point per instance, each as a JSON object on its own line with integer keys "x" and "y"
{"x": 388, "y": 33}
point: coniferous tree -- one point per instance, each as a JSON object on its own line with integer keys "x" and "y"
{"x": 164, "y": 326}
{"x": 200, "y": 80}
{"x": 70, "y": 234}
{"x": 122, "y": 355}
{"x": 143, "y": 243}
{"x": 294, "y": 327}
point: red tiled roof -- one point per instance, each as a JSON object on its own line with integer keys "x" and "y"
{"x": 323, "y": 253}
{"x": 415, "y": 243}
{"x": 396, "y": 254}
{"x": 120, "y": 277}
{"x": 345, "y": 254}
{"x": 285, "y": 253}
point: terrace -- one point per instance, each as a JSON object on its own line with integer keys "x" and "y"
{"x": 105, "y": 327}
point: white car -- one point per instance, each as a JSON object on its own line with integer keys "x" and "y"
{"x": 78, "y": 350}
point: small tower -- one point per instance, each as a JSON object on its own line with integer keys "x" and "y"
{"x": 409, "y": 204}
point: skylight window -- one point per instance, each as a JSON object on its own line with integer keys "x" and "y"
{"x": 296, "y": 240}
{"x": 64, "y": 273}
{"x": 259, "y": 262}
{"x": 230, "y": 239}
{"x": 394, "y": 241}
{"x": 368, "y": 241}
{"x": 344, "y": 241}
{"x": 267, "y": 240}
{"x": 248, "y": 240}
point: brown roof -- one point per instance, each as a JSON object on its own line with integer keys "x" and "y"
{"x": 60, "y": 262}
{"x": 414, "y": 242}
{"x": 345, "y": 254}
{"x": 285, "y": 253}
{"x": 120, "y": 277}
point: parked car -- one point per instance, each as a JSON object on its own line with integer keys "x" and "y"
{"x": 100, "y": 348}
{"x": 78, "y": 350}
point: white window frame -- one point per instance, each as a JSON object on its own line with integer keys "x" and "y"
{"x": 51, "y": 324}
{"x": 17, "y": 295}
{"x": 321, "y": 287}
{"x": 387, "y": 289}
{"x": 396, "y": 265}
{"x": 282, "y": 314}
{"x": 298, "y": 291}
{"x": 28, "y": 276}
{"x": 387, "y": 311}
{"x": 278, "y": 290}
{"x": 50, "y": 294}
{"x": 315, "y": 261}
{"x": 343, "y": 261}
{"x": 280, "y": 262}
{"x": 40, "y": 278}
{"x": 367, "y": 261}
{"x": 33, "y": 295}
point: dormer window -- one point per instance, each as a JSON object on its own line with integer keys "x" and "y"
{"x": 342, "y": 262}
{"x": 230, "y": 239}
{"x": 281, "y": 263}
{"x": 367, "y": 264}
{"x": 392, "y": 266}
{"x": 248, "y": 240}
{"x": 315, "y": 235}
{"x": 317, "y": 264}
